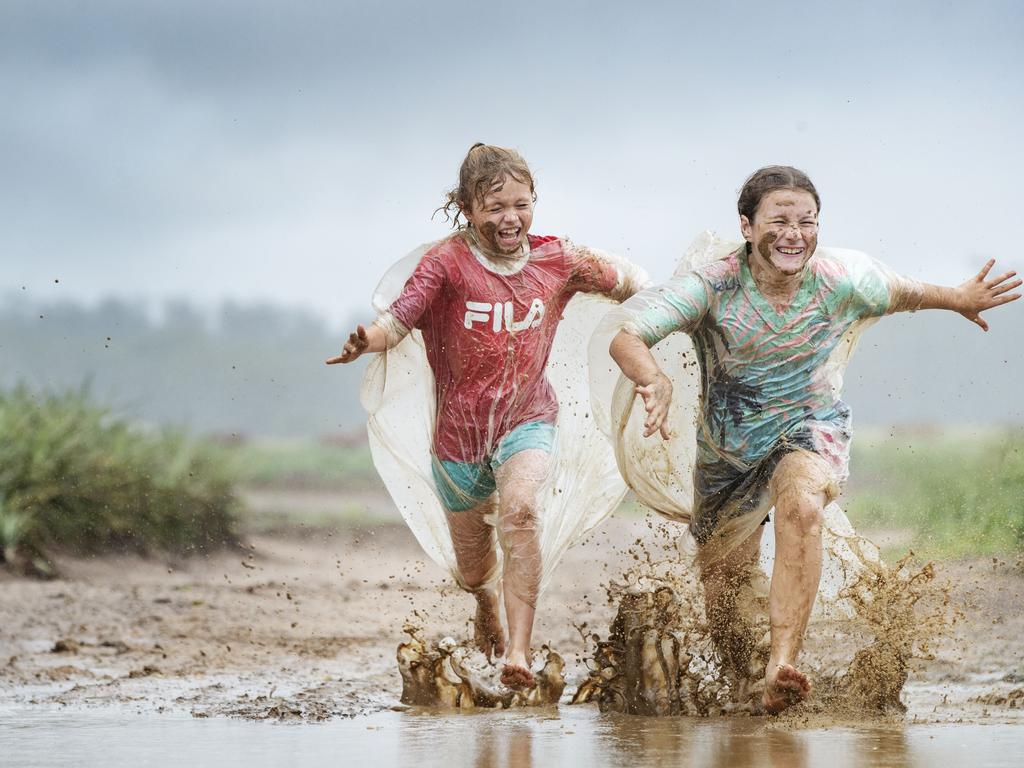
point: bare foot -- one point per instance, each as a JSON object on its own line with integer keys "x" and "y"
{"x": 517, "y": 676}
{"x": 488, "y": 634}
{"x": 784, "y": 686}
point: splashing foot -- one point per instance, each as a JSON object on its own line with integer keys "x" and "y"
{"x": 488, "y": 634}
{"x": 784, "y": 686}
{"x": 518, "y": 677}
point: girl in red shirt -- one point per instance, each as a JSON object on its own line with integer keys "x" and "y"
{"x": 487, "y": 301}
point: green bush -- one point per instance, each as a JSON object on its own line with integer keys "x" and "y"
{"x": 77, "y": 478}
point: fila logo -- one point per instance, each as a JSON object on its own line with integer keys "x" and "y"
{"x": 499, "y": 315}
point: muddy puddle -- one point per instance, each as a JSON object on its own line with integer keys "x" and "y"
{"x": 287, "y": 651}
{"x": 563, "y": 736}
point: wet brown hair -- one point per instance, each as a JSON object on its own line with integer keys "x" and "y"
{"x": 484, "y": 168}
{"x": 769, "y": 179}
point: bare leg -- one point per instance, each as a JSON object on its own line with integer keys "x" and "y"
{"x": 798, "y": 487}
{"x": 519, "y": 480}
{"x": 473, "y": 541}
{"x": 730, "y": 632}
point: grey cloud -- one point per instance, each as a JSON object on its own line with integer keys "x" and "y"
{"x": 228, "y": 141}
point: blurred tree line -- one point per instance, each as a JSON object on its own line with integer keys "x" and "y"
{"x": 244, "y": 369}
{"x": 258, "y": 370}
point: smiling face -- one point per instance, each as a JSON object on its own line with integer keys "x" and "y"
{"x": 784, "y": 231}
{"x": 503, "y": 218}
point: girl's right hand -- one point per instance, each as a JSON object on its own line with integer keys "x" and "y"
{"x": 354, "y": 347}
{"x": 657, "y": 397}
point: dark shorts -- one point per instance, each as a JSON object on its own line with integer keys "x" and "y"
{"x": 723, "y": 492}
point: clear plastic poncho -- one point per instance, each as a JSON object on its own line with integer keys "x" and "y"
{"x": 482, "y": 406}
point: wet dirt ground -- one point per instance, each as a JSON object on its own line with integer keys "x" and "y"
{"x": 304, "y": 628}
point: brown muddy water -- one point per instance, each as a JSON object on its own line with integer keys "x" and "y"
{"x": 285, "y": 652}
{"x": 564, "y": 736}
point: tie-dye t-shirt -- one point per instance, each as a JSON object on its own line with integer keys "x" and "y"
{"x": 766, "y": 375}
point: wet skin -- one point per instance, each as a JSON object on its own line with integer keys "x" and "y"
{"x": 784, "y": 236}
{"x": 503, "y": 218}
{"x": 488, "y": 634}
{"x": 785, "y": 686}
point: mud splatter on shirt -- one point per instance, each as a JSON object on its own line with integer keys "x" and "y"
{"x": 767, "y": 374}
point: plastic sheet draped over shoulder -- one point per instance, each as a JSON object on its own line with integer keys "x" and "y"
{"x": 659, "y": 471}
{"x": 583, "y": 484}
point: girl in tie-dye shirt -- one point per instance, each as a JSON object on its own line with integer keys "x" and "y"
{"x": 769, "y": 379}
{"x": 772, "y": 324}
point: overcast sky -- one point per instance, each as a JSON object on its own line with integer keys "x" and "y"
{"x": 291, "y": 152}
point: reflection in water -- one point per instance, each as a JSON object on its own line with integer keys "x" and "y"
{"x": 715, "y": 743}
{"x": 731, "y": 747}
{"x": 520, "y": 749}
{"x": 505, "y": 748}
{"x": 882, "y": 749}
{"x": 582, "y": 736}
{"x": 567, "y": 736}
{"x": 628, "y": 738}
{"x": 786, "y": 750}
{"x": 439, "y": 737}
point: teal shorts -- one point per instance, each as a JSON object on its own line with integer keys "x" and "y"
{"x": 463, "y": 485}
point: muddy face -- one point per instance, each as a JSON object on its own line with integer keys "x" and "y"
{"x": 784, "y": 231}
{"x": 503, "y": 218}
{"x": 489, "y": 238}
{"x": 766, "y": 244}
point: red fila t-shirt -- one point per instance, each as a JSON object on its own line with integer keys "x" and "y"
{"x": 488, "y": 336}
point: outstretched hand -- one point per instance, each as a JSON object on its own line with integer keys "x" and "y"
{"x": 979, "y": 293}
{"x": 354, "y": 347}
{"x": 657, "y": 397}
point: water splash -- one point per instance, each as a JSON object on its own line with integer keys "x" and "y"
{"x": 665, "y": 656}
{"x": 442, "y": 675}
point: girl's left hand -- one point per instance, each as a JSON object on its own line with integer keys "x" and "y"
{"x": 978, "y": 294}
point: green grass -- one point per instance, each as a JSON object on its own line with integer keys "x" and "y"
{"x": 945, "y": 493}
{"x": 305, "y": 464}
{"x": 957, "y": 493}
{"x": 75, "y": 477}
{"x": 954, "y": 493}
{"x": 330, "y": 515}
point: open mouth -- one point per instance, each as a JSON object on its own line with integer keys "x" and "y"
{"x": 789, "y": 255}
{"x": 509, "y": 237}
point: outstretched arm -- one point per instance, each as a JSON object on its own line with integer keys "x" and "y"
{"x": 596, "y": 271}
{"x": 421, "y": 289}
{"x": 372, "y": 339}
{"x": 974, "y": 296}
{"x": 640, "y": 367}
